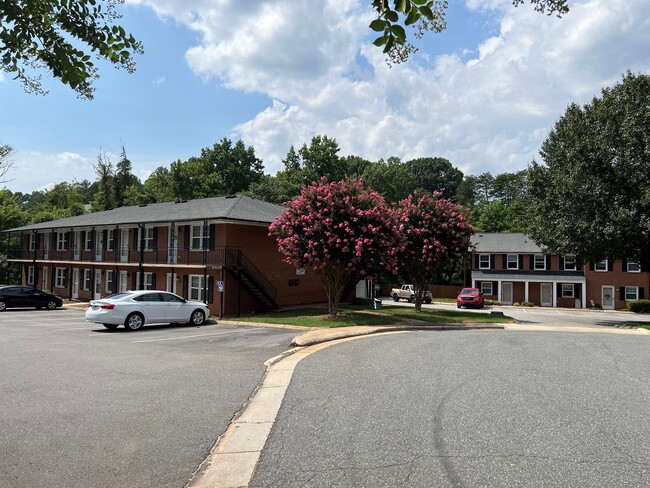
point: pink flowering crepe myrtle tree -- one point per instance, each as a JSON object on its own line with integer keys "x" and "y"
{"x": 437, "y": 236}
{"x": 341, "y": 231}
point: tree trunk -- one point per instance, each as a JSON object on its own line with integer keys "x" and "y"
{"x": 334, "y": 278}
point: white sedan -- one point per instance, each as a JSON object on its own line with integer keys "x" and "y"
{"x": 135, "y": 308}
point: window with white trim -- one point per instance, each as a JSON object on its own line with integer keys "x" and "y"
{"x": 483, "y": 261}
{"x": 60, "y": 280}
{"x": 513, "y": 261}
{"x": 540, "y": 262}
{"x": 148, "y": 280}
{"x": 633, "y": 267}
{"x": 568, "y": 290}
{"x": 32, "y": 241}
{"x": 196, "y": 287}
{"x": 197, "y": 237}
{"x": 123, "y": 281}
{"x": 110, "y": 245}
{"x": 87, "y": 283}
{"x": 88, "y": 241}
{"x": 569, "y": 262}
{"x": 30, "y": 275}
{"x": 148, "y": 240}
{"x": 61, "y": 241}
{"x": 631, "y": 293}
{"x": 486, "y": 287}
{"x": 601, "y": 265}
{"x": 110, "y": 281}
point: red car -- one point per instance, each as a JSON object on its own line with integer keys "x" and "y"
{"x": 470, "y": 297}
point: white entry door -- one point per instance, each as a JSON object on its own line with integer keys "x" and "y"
{"x": 506, "y": 293}
{"x": 75, "y": 283}
{"x": 97, "y": 293}
{"x": 547, "y": 294}
{"x": 608, "y": 297}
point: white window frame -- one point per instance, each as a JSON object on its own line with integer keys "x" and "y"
{"x": 600, "y": 263}
{"x": 30, "y": 275}
{"x": 110, "y": 278}
{"x": 516, "y": 261}
{"x": 536, "y": 261}
{"x": 88, "y": 283}
{"x": 110, "y": 236}
{"x": 570, "y": 258}
{"x": 195, "y": 284}
{"x": 61, "y": 243}
{"x": 32, "y": 242}
{"x": 59, "y": 280}
{"x": 123, "y": 282}
{"x": 88, "y": 241}
{"x": 568, "y": 290}
{"x": 634, "y": 265}
{"x": 194, "y": 237}
{"x": 147, "y": 282}
{"x": 486, "y": 287}
{"x": 148, "y": 238}
{"x": 481, "y": 259}
{"x": 629, "y": 293}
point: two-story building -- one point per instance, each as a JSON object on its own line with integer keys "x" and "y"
{"x": 512, "y": 268}
{"x": 217, "y": 250}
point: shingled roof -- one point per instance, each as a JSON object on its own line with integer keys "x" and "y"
{"x": 505, "y": 243}
{"x": 232, "y": 208}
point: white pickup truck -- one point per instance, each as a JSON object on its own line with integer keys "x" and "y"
{"x": 407, "y": 292}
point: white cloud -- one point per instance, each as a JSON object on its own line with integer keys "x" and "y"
{"x": 28, "y": 169}
{"x": 488, "y": 113}
{"x": 159, "y": 81}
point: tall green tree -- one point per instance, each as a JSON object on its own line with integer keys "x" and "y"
{"x": 124, "y": 178}
{"x": 320, "y": 159}
{"x": 60, "y": 37}
{"x": 393, "y": 16}
{"x": 105, "y": 196}
{"x": 436, "y": 175}
{"x": 591, "y": 196}
{"x": 392, "y": 179}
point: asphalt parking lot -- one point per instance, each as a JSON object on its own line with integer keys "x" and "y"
{"x": 85, "y": 406}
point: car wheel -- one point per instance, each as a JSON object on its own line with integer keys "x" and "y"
{"x": 134, "y": 321}
{"x": 3, "y": 306}
{"x": 396, "y": 297}
{"x": 111, "y": 326}
{"x": 197, "y": 317}
{"x": 412, "y": 299}
{"x": 427, "y": 301}
{"x": 458, "y": 306}
{"x": 51, "y": 305}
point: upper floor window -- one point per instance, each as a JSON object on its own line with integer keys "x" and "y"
{"x": 32, "y": 241}
{"x": 148, "y": 238}
{"x": 633, "y": 267}
{"x": 569, "y": 262}
{"x": 197, "y": 237}
{"x": 513, "y": 261}
{"x": 61, "y": 241}
{"x": 540, "y": 262}
{"x": 88, "y": 241}
{"x": 484, "y": 261}
{"x": 110, "y": 245}
{"x": 601, "y": 265}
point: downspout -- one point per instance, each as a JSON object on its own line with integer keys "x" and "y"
{"x": 141, "y": 265}
{"x": 206, "y": 245}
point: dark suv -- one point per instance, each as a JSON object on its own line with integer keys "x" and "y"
{"x": 26, "y": 296}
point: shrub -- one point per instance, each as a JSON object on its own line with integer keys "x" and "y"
{"x": 493, "y": 302}
{"x": 516, "y": 304}
{"x": 527, "y": 304}
{"x": 639, "y": 306}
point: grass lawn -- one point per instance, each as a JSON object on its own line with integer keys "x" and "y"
{"x": 356, "y": 315}
{"x": 641, "y": 325}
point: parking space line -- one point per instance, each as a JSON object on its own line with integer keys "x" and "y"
{"x": 192, "y": 336}
{"x": 72, "y": 328}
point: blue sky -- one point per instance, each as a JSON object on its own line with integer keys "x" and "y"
{"x": 483, "y": 94}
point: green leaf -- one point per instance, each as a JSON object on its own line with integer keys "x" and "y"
{"x": 392, "y": 15}
{"x": 399, "y": 32}
{"x": 380, "y": 41}
{"x": 419, "y": 2}
{"x": 400, "y": 5}
{"x": 426, "y": 11}
{"x": 412, "y": 17}
{"x": 378, "y": 25}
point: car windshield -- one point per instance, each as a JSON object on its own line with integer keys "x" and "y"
{"x": 469, "y": 291}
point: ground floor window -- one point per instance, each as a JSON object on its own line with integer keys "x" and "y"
{"x": 61, "y": 278}
{"x": 87, "y": 277}
{"x": 631, "y": 293}
{"x": 110, "y": 281}
{"x": 149, "y": 281}
{"x": 486, "y": 288}
{"x": 30, "y": 275}
{"x": 196, "y": 287}
{"x": 567, "y": 290}
{"x": 123, "y": 281}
